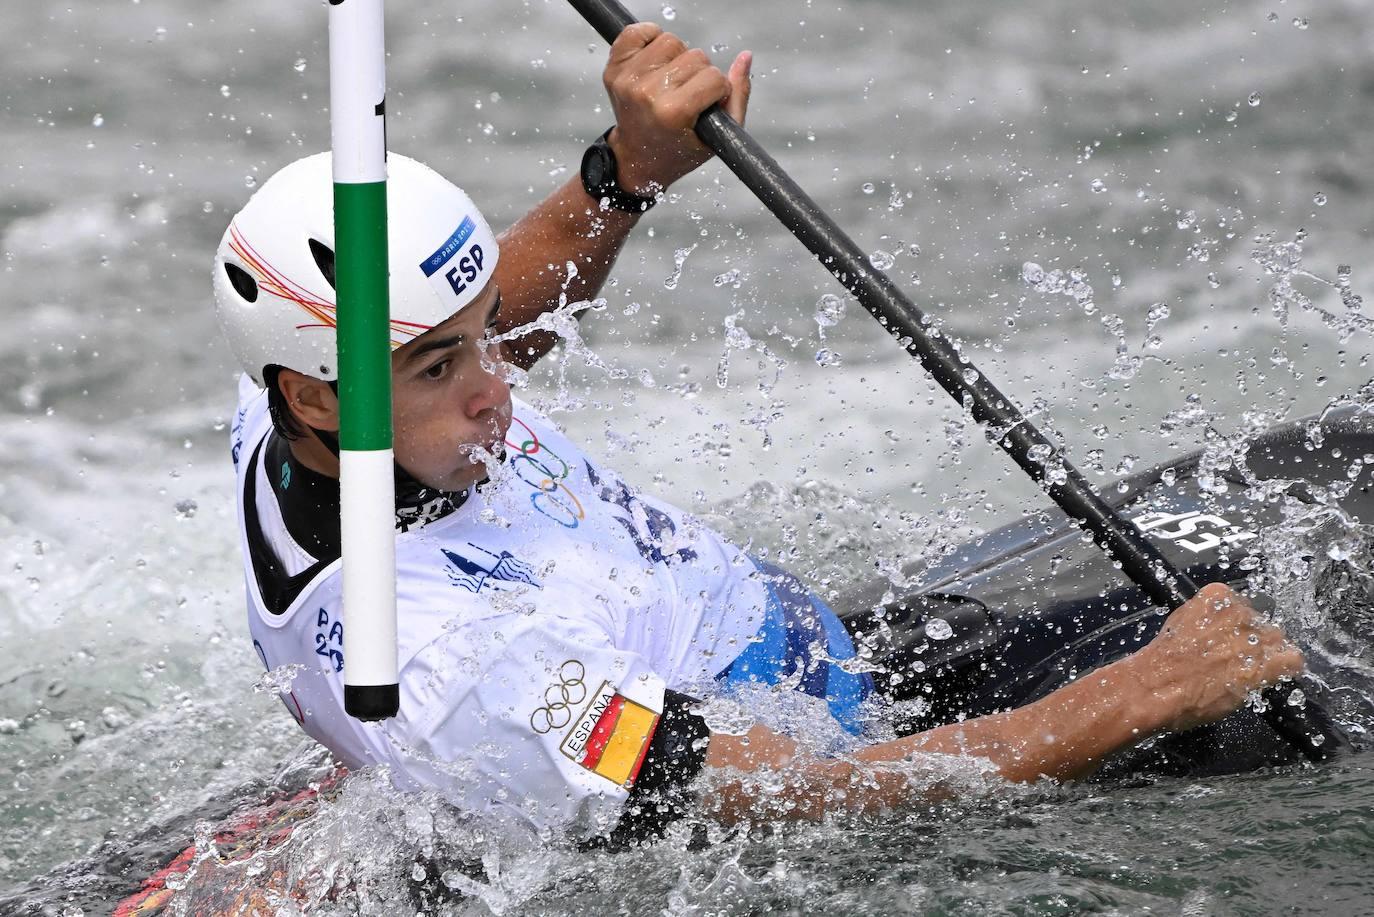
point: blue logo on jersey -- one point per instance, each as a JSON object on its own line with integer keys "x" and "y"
{"x": 502, "y": 568}
{"x": 648, "y": 527}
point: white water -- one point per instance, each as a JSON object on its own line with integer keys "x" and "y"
{"x": 1067, "y": 135}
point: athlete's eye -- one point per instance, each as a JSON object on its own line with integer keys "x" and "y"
{"x": 438, "y": 370}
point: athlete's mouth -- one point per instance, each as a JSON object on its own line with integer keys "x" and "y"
{"x": 493, "y": 443}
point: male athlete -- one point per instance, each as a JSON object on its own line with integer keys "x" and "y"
{"x": 558, "y": 628}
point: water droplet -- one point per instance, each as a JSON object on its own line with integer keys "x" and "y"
{"x": 1098, "y": 186}
{"x": 939, "y": 629}
{"x": 881, "y": 259}
{"x": 829, "y": 311}
{"x": 970, "y": 376}
{"x": 1213, "y": 280}
{"x": 679, "y": 259}
{"x": 207, "y": 207}
{"x": 669, "y": 13}
{"x": 1300, "y": 22}
{"x": 299, "y": 65}
{"x": 1232, "y": 115}
{"x": 827, "y": 357}
{"x": 1254, "y": 99}
{"x": 278, "y": 680}
{"x": 186, "y": 509}
{"x": 1187, "y": 220}
{"x": 98, "y": 120}
{"x": 1296, "y": 698}
{"x": 8, "y": 727}
{"x": 224, "y": 91}
{"x": 250, "y": 181}
{"x": 1319, "y": 199}
{"x": 868, "y": 187}
{"x": 1272, "y": 17}
{"x": 1032, "y": 273}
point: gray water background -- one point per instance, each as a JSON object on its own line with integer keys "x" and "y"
{"x": 1147, "y": 144}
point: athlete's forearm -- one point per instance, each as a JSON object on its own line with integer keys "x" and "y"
{"x": 533, "y": 271}
{"x": 1063, "y": 736}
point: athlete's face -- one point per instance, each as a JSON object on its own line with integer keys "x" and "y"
{"x": 448, "y": 398}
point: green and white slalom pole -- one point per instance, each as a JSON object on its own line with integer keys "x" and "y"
{"x": 357, "y": 103}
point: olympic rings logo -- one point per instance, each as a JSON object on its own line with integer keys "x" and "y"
{"x": 551, "y": 496}
{"x": 560, "y": 698}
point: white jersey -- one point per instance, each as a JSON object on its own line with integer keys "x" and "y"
{"x": 539, "y": 626}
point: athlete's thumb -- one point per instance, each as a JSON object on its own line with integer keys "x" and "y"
{"x": 737, "y": 102}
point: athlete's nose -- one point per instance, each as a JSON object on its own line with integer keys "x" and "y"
{"x": 489, "y": 392}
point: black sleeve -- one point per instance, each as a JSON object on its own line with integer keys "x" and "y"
{"x": 676, "y": 755}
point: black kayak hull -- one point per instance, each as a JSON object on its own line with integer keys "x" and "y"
{"x": 1035, "y": 604}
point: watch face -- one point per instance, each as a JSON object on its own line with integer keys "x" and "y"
{"x": 594, "y": 167}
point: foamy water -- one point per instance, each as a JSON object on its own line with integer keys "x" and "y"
{"x": 964, "y": 144}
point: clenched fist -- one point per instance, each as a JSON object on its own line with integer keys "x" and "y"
{"x": 1213, "y": 651}
{"x": 658, "y": 88}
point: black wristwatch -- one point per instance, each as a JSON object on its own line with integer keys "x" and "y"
{"x": 600, "y": 181}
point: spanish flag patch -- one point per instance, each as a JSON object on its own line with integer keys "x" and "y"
{"x": 612, "y": 736}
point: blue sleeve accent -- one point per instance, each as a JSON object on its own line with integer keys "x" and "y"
{"x": 796, "y": 624}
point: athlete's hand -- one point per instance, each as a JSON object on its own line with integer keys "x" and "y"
{"x": 658, "y": 88}
{"x": 1212, "y": 652}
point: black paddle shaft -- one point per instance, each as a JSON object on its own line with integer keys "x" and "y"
{"x": 1140, "y": 560}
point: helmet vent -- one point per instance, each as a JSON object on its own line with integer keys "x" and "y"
{"x": 242, "y": 282}
{"x": 324, "y": 259}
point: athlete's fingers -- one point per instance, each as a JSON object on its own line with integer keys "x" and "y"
{"x": 1290, "y": 663}
{"x": 741, "y": 85}
{"x": 632, "y": 39}
{"x": 684, "y": 67}
{"x": 663, "y": 50}
{"x": 681, "y": 107}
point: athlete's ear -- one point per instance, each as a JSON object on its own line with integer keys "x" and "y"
{"x": 312, "y": 401}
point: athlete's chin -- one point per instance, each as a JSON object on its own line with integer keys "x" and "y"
{"x": 460, "y": 478}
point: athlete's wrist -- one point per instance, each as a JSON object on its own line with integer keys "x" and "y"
{"x": 633, "y": 172}
{"x": 1148, "y": 701}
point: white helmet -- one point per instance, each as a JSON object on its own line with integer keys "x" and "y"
{"x": 274, "y": 271}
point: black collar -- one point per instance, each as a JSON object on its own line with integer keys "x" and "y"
{"x": 309, "y": 504}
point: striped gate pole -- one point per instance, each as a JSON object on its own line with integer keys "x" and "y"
{"x": 357, "y": 104}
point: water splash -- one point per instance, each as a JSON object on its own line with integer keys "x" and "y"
{"x": 1283, "y": 260}
{"x": 679, "y": 259}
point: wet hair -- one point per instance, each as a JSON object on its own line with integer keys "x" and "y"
{"x": 283, "y": 421}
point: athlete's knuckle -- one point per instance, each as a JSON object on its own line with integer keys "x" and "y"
{"x": 665, "y": 109}
{"x": 638, "y": 34}
{"x": 639, "y": 91}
